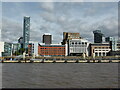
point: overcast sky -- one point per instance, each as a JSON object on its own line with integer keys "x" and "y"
{"x": 58, "y": 17}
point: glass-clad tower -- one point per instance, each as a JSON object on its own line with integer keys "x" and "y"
{"x": 26, "y": 32}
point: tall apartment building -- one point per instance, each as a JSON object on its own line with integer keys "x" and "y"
{"x": 26, "y": 32}
{"x": 47, "y": 38}
{"x": 98, "y": 36}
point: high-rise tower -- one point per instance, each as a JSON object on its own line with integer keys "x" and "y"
{"x": 26, "y": 32}
{"x": 98, "y": 36}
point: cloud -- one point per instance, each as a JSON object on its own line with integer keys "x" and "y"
{"x": 56, "y": 18}
{"x": 11, "y": 30}
{"x": 48, "y": 16}
{"x": 48, "y": 6}
{"x": 109, "y": 26}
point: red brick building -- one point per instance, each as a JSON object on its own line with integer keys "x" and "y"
{"x": 51, "y": 50}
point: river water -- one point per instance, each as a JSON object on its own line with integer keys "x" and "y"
{"x": 60, "y": 75}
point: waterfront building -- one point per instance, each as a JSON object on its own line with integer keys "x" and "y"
{"x": 6, "y": 49}
{"x": 26, "y": 32}
{"x": 100, "y": 49}
{"x": 47, "y": 38}
{"x": 98, "y": 36}
{"x": 68, "y": 35}
{"x": 51, "y": 50}
{"x": 77, "y": 47}
{"x": 33, "y": 48}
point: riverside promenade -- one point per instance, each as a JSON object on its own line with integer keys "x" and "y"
{"x": 67, "y": 59}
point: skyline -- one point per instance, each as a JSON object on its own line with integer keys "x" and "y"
{"x": 58, "y": 17}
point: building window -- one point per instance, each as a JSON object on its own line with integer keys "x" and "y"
{"x": 103, "y": 54}
{"x": 96, "y": 54}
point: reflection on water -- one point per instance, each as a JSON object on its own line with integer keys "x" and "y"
{"x": 60, "y": 75}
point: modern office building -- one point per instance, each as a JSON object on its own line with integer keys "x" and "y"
{"x": 98, "y": 36}
{"x": 33, "y": 48}
{"x": 68, "y": 35}
{"x": 100, "y": 49}
{"x": 77, "y": 47}
{"x": 51, "y": 50}
{"x": 47, "y": 38}
{"x": 26, "y": 32}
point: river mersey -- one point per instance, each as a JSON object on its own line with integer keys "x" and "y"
{"x": 60, "y": 75}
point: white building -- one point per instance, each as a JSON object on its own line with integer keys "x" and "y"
{"x": 76, "y": 47}
{"x": 34, "y": 48}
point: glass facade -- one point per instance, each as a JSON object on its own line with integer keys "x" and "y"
{"x": 26, "y": 32}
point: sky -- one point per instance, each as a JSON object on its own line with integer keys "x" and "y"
{"x": 58, "y": 17}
